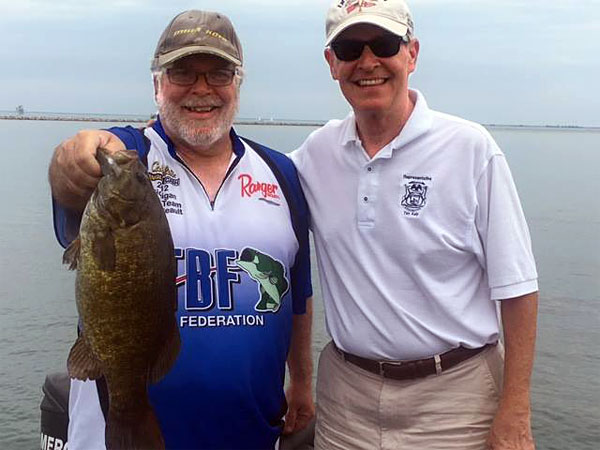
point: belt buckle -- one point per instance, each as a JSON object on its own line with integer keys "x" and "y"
{"x": 389, "y": 363}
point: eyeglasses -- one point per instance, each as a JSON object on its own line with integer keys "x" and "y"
{"x": 185, "y": 77}
{"x": 382, "y": 47}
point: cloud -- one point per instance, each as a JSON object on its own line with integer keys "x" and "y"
{"x": 74, "y": 9}
{"x": 479, "y": 58}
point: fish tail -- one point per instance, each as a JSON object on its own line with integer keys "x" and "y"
{"x": 133, "y": 432}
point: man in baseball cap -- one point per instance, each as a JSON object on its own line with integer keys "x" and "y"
{"x": 225, "y": 391}
{"x": 419, "y": 234}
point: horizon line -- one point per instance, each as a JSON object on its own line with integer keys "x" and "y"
{"x": 141, "y": 118}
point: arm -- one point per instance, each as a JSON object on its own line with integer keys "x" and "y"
{"x": 511, "y": 428}
{"x": 301, "y": 408}
{"x": 74, "y": 171}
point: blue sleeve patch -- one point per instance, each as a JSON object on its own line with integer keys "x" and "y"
{"x": 286, "y": 174}
{"x": 134, "y": 139}
{"x": 66, "y": 224}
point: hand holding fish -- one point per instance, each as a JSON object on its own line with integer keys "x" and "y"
{"x": 74, "y": 171}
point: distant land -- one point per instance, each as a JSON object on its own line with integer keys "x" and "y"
{"x": 20, "y": 114}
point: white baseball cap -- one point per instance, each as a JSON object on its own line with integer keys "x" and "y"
{"x": 391, "y": 15}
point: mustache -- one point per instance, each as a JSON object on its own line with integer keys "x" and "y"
{"x": 201, "y": 102}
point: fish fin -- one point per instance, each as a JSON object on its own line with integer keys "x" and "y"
{"x": 104, "y": 251}
{"x": 141, "y": 432}
{"x": 167, "y": 355}
{"x": 82, "y": 364}
{"x": 71, "y": 254}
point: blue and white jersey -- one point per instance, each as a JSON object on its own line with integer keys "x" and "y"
{"x": 243, "y": 271}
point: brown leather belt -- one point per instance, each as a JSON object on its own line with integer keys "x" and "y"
{"x": 420, "y": 368}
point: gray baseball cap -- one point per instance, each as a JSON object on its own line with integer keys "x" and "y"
{"x": 193, "y": 32}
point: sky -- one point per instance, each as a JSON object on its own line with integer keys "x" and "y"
{"x": 532, "y": 62}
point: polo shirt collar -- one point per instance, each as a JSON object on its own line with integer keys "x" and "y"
{"x": 349, "y": 133}
{"x": 418, "y": 124}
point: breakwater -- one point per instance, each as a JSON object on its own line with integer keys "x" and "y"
{"x": 142, "y": 119}
{"x": 63, "y": 117}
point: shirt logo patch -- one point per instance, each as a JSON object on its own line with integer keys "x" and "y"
{"x": 415, "y": 194}
{"x": 209, "y": 280}
{"x": 163, "y": 178}
{"x": 269, "y": 274}
{"x": 265, "y": 191}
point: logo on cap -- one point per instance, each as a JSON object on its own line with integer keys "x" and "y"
{"x": 360, "y": 4}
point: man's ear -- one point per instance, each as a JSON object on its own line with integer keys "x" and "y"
{"x": 413, "y": 51}
{"x": 330, "y": 58}
{"x": 155, "y": 82}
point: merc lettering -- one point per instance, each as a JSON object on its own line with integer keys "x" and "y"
{"x": 52, "y": 443}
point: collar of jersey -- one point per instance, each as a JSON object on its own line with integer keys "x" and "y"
{"x": 418, "y": 124}
{"x": 236, "y": 143}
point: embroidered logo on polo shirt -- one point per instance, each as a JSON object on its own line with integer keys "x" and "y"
{"x": 415, "y": 194}
{"x": 267, "y": 192}
{"x": 164, "y": 178}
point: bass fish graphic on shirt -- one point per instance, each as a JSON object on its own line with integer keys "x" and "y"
{"x": 270, "y": 276}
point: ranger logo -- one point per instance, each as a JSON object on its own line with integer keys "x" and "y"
{"x": 250, "y": 188}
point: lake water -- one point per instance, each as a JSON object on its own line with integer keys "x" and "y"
{"x": 558, "y": 179}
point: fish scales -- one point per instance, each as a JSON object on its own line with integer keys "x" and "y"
{"x": 126, "y": 298}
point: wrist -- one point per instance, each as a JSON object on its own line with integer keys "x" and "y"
{"x": 300, "y": 382}
{"x": 516, "y": 407}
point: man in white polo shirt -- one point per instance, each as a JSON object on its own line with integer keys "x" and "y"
{"x": 419, "y": 236}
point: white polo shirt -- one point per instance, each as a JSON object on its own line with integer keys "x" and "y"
{"x": 414, "y": 244}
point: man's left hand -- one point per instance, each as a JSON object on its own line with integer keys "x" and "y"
{"x": 301, "y": 408}
{"x": 511, "y": 431}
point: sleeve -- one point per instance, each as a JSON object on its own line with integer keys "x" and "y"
{"x": 66, "y": 223}
{"x": 301, "y": 274}
{"x": 134, "y": 139}
{"x": 502, "y": 229}
{"x": 301, "y": 270}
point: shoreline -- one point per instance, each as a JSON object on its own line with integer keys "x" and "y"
{"x": 264, "y": 122}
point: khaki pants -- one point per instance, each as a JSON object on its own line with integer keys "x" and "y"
{"x": 360, "y": 410}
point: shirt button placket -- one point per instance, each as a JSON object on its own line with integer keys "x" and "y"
{"x": 367, "y": 189}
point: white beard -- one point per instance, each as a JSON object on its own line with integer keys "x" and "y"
{"x": 197, "y": 133}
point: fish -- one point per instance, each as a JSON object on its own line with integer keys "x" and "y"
{"x": 270, "y": 276}
{"x": 126, "y": 298}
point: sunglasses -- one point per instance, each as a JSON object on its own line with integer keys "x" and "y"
{"x": 382, "y": 47}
